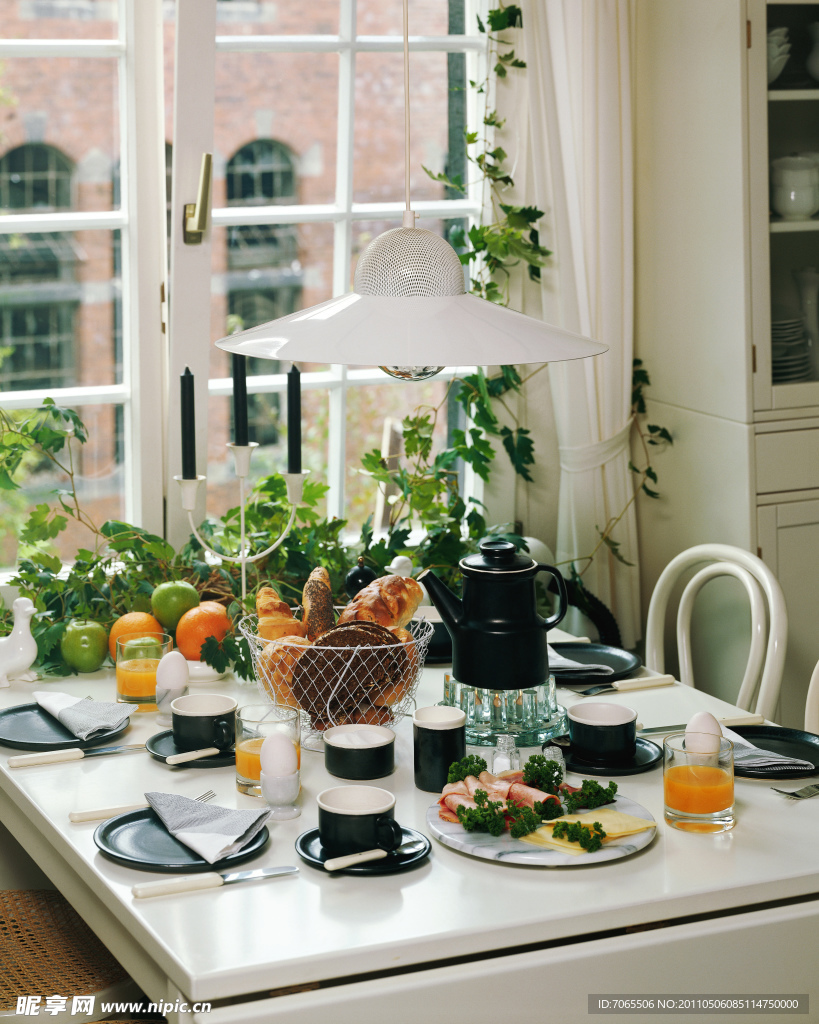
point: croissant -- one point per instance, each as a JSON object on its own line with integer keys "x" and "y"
{"x": 275, "y": 616}
{"x": 389, "y": 601}
{"x": 317, "y": 598}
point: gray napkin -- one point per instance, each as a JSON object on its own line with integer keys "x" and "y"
{"x": 212, "y": 832}
{"x": 568, "y": 668}
{"x": 82, "y": 716}
{"x": 746, "y": 755}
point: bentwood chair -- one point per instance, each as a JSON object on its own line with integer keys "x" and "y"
{"x": 812, "y": 703}
{"x": 769, "y": 619}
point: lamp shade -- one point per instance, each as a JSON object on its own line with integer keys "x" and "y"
{"x": 442, "y": 330}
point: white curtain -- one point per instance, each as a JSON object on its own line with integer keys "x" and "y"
{"x": 579, "y": 171}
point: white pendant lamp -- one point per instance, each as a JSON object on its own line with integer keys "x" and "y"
{"x": 409, "y": 312}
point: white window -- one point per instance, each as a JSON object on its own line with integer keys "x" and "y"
{"x": 301, "y": 106}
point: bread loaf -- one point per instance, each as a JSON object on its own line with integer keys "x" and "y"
{"x": 317, "y": 599}
{"x": 389, "y": 601}
{"x": 275, "y": 667}
{"x": 275, "y": 616}
{"x": 407, "y": 669}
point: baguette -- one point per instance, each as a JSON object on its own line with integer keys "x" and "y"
{"x": 317, "y": 599}
{"x": 389, "y": 601}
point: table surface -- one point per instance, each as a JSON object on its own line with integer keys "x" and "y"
{"x": 288, "y": 931}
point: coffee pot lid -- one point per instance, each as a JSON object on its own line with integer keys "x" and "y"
{"x": 497, "y": 556}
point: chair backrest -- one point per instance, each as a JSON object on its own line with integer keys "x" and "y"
{"x": 769, "y": 619}
{"x": 812, "y": 703}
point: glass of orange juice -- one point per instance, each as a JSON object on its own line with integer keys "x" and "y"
{"x": 138, "y": 655}
{"x": 698, "y": 782}
{"x": 254, "y": 723}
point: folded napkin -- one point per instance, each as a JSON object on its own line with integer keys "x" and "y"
{"x": 212, "y": 832}
{"x": 746, "y": 755}
{"x": 567, "y": 667}
{"x": 83, "y": 717}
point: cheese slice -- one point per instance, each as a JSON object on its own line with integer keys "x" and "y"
{"x": 614, "y": 823}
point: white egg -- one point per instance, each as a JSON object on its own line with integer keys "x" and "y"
{"x": 172, "y": 672}
{"x": 278, "y": 755}
{"x": 702, "y": 734}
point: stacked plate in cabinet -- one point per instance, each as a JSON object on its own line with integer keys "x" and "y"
{"x": 790, "y": 351}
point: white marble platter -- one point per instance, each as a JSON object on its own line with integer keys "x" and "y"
{"x": 515, "y": 851}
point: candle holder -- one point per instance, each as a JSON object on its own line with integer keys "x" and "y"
{"x": 241, "y": 459}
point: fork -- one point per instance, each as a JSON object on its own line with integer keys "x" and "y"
{"x": 102, "y": 813}
{"x": 799, "y": 794}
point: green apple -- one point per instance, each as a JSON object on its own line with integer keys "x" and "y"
{"x": 84, "y": 645}
{"x": 140, "y": 647}
{"x": 171, "y": 600}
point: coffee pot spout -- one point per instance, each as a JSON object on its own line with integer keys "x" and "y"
{"x": 445, "y": 601}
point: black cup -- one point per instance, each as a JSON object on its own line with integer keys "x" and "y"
{"x": 202, "y": 720}
{"x": 352, "y": 819}
{"x": 438, "y": 739}
{"x": 359, "y": 751}
{"x": 603, "y": 733}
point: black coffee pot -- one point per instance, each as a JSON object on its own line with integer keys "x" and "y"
{"x": 498, "y": 638}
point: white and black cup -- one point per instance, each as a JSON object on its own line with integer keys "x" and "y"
{"x": 603, "y": 733}
{"x": 202, "y": 720}
{"x": 359, "y": 751}
{"x": 438, "y": 739}
{"x": 352, "y": 819}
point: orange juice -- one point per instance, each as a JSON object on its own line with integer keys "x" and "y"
{"x": 248, "y": 758}
{"x": 698, "y": 789}
{"x": 137, "y": 678}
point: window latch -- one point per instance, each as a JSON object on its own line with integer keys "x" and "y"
{"x": 195, "y": 221}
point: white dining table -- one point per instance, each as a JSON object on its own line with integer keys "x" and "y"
{"x": 456, "y": 938}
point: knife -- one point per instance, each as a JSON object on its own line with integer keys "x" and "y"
{"x": 728, "y": 721}
{"x": 70, "y": 754}
{"x": 207, "y": 880}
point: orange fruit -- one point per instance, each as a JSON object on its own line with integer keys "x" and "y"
{"x": 131, "y": 622}
{"x": 208, "y": 619}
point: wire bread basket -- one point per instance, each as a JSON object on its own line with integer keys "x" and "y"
{"x": 358, "y": 675}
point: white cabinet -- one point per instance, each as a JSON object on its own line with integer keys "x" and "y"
{"x": 714, "y": 268}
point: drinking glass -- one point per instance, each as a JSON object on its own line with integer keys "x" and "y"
{"x": 254, "y": 723}
{"x": 698, "y": 782}
{"x": 138, "y": 656}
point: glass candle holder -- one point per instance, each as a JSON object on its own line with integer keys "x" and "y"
{"x": 138, "y": 657}
{"x": 254, "y": 724}
{"x": 698, "y": 782}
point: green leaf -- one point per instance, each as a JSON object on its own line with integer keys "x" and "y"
{"x": 649, "y": 492}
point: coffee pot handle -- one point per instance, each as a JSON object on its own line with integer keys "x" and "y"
{"x": 563, "y": 598}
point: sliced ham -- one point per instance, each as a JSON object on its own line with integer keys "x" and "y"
{"x": 527, "y": 796}
{"x": 496, "y": 788}
{"x": 449, "y": 804}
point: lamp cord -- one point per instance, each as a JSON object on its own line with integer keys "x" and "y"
{"x": 409, "y": 216}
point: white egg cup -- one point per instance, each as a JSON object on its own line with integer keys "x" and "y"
{"x": 281, "y": 792}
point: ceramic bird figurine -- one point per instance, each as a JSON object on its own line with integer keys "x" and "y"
{"x": 18, "y": 650}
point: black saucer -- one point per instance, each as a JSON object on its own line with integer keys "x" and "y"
{"x": 161, "y": 745}
{"x": 309, "y": 848}
{"x": 646, "y": 756}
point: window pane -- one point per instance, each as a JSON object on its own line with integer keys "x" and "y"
{"x": 260, "y": 17}
{"x": 386, "y": 17}
{"x": 59, "y": 310}
{"x": 59, "y": 144}
{"x": 60, "y": 19}
{"x": 436, "y": 127}
{"x": 289, "y": 102}
{"x": 98, "y": 476}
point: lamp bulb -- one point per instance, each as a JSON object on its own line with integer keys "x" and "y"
{"x": 411, "y": 372}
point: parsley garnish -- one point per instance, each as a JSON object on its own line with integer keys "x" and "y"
{"x": 542, "y": 774}
{"x": 590, "y": 795}
{"x": 524, "y": 820}
{"x": 488, "y": 816}
{"x": 471, "y": 765}
{"x": 590, "y": 839}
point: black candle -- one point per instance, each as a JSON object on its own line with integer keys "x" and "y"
{"x": 294, "y": 420}
{"x": 239, "y": 400}
{"x": 188, "y": 425}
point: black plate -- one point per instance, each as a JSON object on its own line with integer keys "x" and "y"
{"x": 624, "y": 663}
{"x": 646, "y": 756}
{"x": 161, "y": 745}
{"x": 138, "y": 839}
{"x": 309, "y": 848}
{"x": 29, "y": 727}
{"x": 790, "y": 742}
